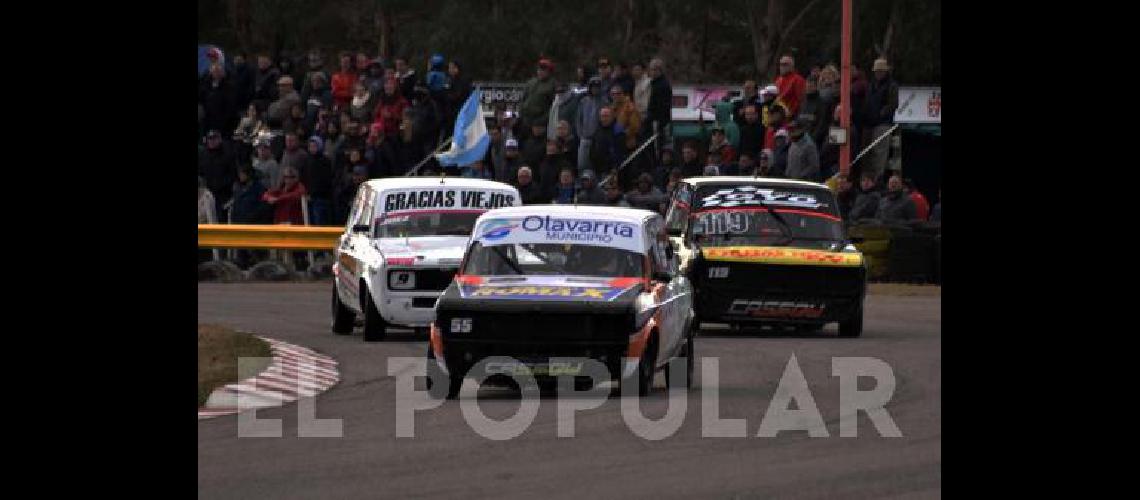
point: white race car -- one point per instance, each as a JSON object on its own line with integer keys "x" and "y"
{"x": 567, "y": 282}
{"x": 402, "y": 245}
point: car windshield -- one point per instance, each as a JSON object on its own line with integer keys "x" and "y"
{"x": 757, "y": 226}
{"x": 439, "y": 223}
{"x": 552, "y": 259}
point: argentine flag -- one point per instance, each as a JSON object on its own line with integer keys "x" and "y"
{"x": 469, "y": 141}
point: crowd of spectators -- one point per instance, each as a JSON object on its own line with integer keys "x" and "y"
{"x": 274, "y": 133}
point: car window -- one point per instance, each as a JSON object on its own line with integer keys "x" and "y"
{"x": 366, "y": 208}
{"x": 357, "y": 204}
{"x": 679, "y": 208}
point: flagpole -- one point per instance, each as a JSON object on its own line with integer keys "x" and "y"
{"x": 479, "y": 113}
{"x": 446, "y": 142}
{"x": 629, "y": 158}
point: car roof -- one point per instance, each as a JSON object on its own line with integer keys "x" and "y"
{"x": 630, "y": 215}
{"x": 744, "y": 179}
{"x": 422, "y": 182}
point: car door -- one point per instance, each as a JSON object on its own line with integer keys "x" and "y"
{"x": 670, "y": 297}
{"x": 352, "y": 247}
{"x": 677, "y": 222}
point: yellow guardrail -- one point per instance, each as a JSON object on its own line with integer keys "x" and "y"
{"x": 280, "y": 236}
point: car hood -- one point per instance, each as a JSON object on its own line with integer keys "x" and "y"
{"x": 542, "y": 293}
{"x": 426, "y": 250}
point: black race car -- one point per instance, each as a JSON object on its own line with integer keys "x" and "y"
{"x": 767, "y": 251}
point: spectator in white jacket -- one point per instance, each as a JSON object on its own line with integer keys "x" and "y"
{"x": 641, "y": 90}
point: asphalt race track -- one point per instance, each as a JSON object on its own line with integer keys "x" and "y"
{"x": 605, "y": 458}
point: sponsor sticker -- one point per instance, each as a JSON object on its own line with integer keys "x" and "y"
{"x": 532, "y": 292}
{"x": 776, "y": 309}
{"x": 754, "y": 196}
{"x": 435, "y": 199}
{"x": 547, "y": 229}
{"x": 782, "y": 255}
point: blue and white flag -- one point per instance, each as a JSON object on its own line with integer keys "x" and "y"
{"x": 469, "y": 141}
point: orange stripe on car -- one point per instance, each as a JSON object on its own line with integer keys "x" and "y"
{"x": 436, "y": 341}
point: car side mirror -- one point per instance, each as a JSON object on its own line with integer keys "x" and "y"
{"x": 662, "y": 276}
{"x": 360, "y": 228}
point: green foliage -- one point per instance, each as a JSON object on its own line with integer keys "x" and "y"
{"x": 502, "y": 39}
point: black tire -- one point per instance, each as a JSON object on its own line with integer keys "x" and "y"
{"x": 809, "y": 328}
{"x": 374, "y": 325}
{"x": 343, "y": 317}
{"x": 688, "y": 352}
{"x": 455, "y": 381}
{"x": 643, "y": 377}
{"x": 853, "y": 326}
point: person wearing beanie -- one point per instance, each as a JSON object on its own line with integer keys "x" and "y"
{"x": 539, "y": 95}
{"x": 879, "y": 114}
{"x": 436, "y": 77}
{"x": 764, "y": 163}
{"x": 803, "y": 156}
{"x": 455, "y": 93}
{"x": 317, "y": 176}
{"x": 613, "y": 194}
{"x": 588, "y": 191}
{"x": 586, "y": 121}
{"x": 407, "y": 76}
{"x": 390, "y": 110}
{"x": 373, "y": 77}
{"x": 247, "y": 206}
{"x": 563, "y": 192}
{"x": 780, "y": 154}
{"x": 646, "y": 195}
{"x": 529, "y": 191}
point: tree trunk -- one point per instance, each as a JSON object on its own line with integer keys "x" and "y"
{"x": 787, "y": 30}
{"x": 242, "y": 18}
{"x": 891, "y": 21}
{"x": 759, "y": 37}
{"x": 769, "y": 32}
{"x": 629, "y": 13}
{"x": 704, "y": 45}
{"x": 382, "y": 20}
{"x": 497, "y": 17}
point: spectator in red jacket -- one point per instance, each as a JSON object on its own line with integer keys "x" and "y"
{"x": 921, "y": 205}
{"x": 791, "y": 85}
{"x": 390, "y": 110}
{"x": 286, "y": 198}
{"x": 343, "y": 81}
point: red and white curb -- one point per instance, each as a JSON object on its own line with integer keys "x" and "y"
{"x": 294, "y": 372}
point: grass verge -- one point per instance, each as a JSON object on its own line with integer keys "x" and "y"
{"x": 218, "y": 351}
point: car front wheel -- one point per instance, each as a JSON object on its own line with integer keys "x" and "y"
{"x": 374, "y": 325}
{"x": 455, "y": 380}
{"x": 689, "y": 354}
{"x": 343, "y": 317}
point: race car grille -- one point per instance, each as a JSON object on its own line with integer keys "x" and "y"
{"x": 766, "y": 279}
{"x": 542, "y": 327}
{"x": 424, "y": 302}
{"x": 434, "y": 280}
